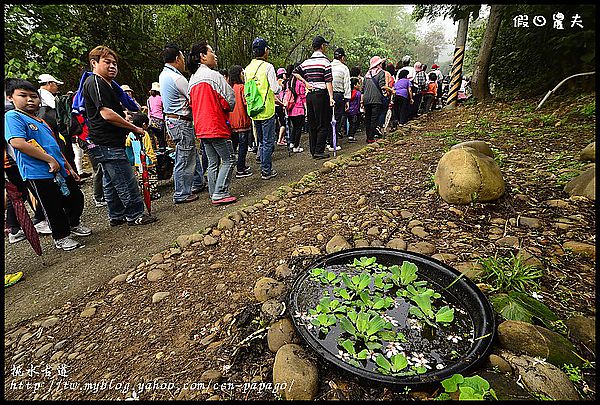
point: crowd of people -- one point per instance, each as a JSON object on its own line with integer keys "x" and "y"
{"x": 204, "y": 127}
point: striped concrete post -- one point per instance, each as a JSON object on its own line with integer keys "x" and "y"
{"x": 457, "y": 62}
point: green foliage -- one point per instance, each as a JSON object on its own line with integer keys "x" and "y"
{"x": 470, "y": 388}
{"x": 396, "y": 364}
{"x": 518, "y": 306}
{"x": 589, "y": 109}
{"x": 509, "y": 274}
{"x": 573, "y": 372}
{"x": 520, "y": 50}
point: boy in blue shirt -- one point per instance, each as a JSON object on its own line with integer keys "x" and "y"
{"x": 49, "y": 176}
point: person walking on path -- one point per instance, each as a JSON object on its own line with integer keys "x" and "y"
{"x": 295, "y": 104}
{"x": 211, "y": 100}
{"x": 241, "y": 124}
{"x": 403, "y": 97}
{"x": 315, "y": 73}
{"x": 420, "y": 85}
{"x": 373, "y": 97}
{"x": 439, "y": 78}
{"x": 341, "y": 91}
{"x": 263, "y": 72}
{"x": 188, "y": 172}
{"x": 107, "y": 132}
{"x": 155, "y": 113}
{"x": 354, "y": 109}
{"x": 42, "y": 165}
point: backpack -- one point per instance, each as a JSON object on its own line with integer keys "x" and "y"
{"x": 255, "y": 103}
{"x": 66, "y": 123}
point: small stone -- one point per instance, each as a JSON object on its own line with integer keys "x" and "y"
{"x": 225, "y": 223}
{"x": 470, "y": 269}
{"x": 296, "y": 228}
{"x": 413, "y": 223}
{"x": 119, "y": 278}
{"x": 336, "y": 244}
{"x": 183, "y": 241}
{"x": 88, "y": 312}
{"x": 580, "y": 248}
{"x": 361, "y": 201}
{"x": 155, "y": 275}
{"x": 445, "y": 257}
{"x": 529, "y": 222}
{"x": 42, "y": 350}
{"x": 283, "y": 271}
{"x": 267, "y": 288}
{"x": 60, "y": 344}
{"x": 272, "y": 309}
{"x": 159, "y": 296}
{"x": 361, "y": 243}
{"x": 335, "y": 217}
{"x": 209, "y": 240}
{"x": 377, "y": 243}
{"x": 156, "y": 259}
{"x": 508, "y": 241}
{"x": 280, "y": 333}
{"x": 528, "y": 259}
{"x": 49, "y": 322}
{"x": 211, "y": 376}
{"x": 557, "y": 203}
{"x": 320, "y": 237}
{"x": 396, "y": 243}
{"x": 500, "y": 363}
{"x": 406, "y": 214}
{"x": 456, "y": 211}
{"x": 306, "y": 251}
{"x": 373, "y": 231}
{"x": 420, "y": 232}
{"x": 425, "y": 248}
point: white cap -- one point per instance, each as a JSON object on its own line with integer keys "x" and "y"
{"x": 45, "y": 78}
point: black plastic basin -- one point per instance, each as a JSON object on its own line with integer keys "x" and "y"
{"x": 463, "y": 291}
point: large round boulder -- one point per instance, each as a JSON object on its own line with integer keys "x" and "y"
{"x": 479, "y": 146}
{"x": 294, "y": 374}
{"x": 465, "y": 175}
{"x": 588, "y": 153}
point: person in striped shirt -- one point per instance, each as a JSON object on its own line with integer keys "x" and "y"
{"x": 315, "y": 73}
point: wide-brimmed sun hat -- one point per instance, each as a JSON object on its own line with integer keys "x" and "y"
{"x": 375, "y": 61}
{"x": 46, "y": 78}
{"x": 281, "y": 71}
{"x": 155, "y": 86}
{"x": 126, "y": 88}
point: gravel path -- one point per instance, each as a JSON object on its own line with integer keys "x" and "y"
{"x": 57, "y": 277}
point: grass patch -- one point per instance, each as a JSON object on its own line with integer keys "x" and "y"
{"x": 507, "y": 274}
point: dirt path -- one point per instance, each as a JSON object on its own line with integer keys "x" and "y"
{"x": 58, "y": 277}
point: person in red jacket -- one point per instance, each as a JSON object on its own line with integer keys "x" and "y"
{"x": 240, "y": 121}
{"x": 211, "y": 100}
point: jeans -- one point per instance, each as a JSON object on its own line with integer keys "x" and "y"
{"x": 265, "y": 132}
{"x": 241, "y": 139}
{"x": 383, "y": 112}
{"x": 187, "y": 172}
{"x": 353, "y": 120}
{"x": 120, "y": 186}
{"x": 220, "y": 166}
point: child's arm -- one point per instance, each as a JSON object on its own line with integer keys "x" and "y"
{"x": 25, "y": 147}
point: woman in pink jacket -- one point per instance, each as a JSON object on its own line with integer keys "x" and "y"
{"x": 296, "y": 108}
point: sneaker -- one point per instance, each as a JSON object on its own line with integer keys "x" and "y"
{"x": 351, "y": 139}
{"x": 268, "y": 176}
{"x": 143, "y": 220}
{"x": 298, "y": 150}
{"x": 198, "y": 190}
{"x": 43, "y": 228}
{"x": 117, "y": 222}
{"x": 226, "y": 200}
{"x": 100, "y": 203}
{"x": 155, "y": 196}
{"x": 244, "y": 173}
{"x": 16, "y": 237}
{"x": 67, "y": 243}
{"x": 282, "y": 143}
{"x": 12, "y": 278}
{"x": 321, "y": 156}
{"x": 81, "y": 230}
{"x": 190, "y": 198}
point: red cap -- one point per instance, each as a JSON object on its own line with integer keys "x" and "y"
{"x": 434, "y": 66}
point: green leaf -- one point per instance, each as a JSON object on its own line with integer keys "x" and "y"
{"x": 383, "y": 363}
{"x": 388, "y": 335}
{"x": 468, "y": 393}
{"x": 344, "y": 294}
{"x": 376, "y": 324}
{"x": 424, "y": 303}
{"x": 451, "y": 384}
{"x": 362, "y": 322}
{"x": 363, "y": 354}
{"x": 479, "y": 384}
{"x": 347, "y": 326}
{"x": 348, "y": 346}
{"x": 316, "y": 271}
{"x": 399, "y": 362}
{"x": 408, "y": 272}
{"x": 445, "y": 315}
{"x": 518, "y": 306}
{"x": 373, "y": 345}
{"x": 365, "y": 280}
{"x": 380, "y": 303}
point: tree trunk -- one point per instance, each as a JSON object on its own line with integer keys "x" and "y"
{"x": 457, "y": 62}
{"x": 480, "y": 83}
